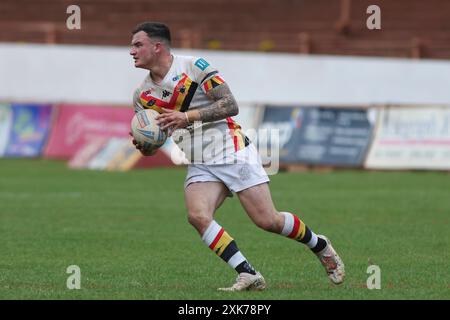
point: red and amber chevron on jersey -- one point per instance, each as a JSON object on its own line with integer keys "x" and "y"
{"x": 181, "y": 97}
{"x": 239, "y": 139}
{"x": 212, "y": 83}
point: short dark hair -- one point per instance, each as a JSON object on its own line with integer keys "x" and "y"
{"x": 154, "y": 30}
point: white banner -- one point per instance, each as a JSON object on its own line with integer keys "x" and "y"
{"x": 411, "y": 138}
{"x": 5, "y": 126}
{"x": 306, "y": 79}
{"x": 249, "y": 116}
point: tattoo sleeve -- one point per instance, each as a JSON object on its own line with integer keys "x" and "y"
{"x": 224, "y": 104}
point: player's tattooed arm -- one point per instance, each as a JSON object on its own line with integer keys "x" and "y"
{"x": 224, "y": 104}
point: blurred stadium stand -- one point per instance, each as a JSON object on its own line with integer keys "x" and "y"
{"x": 360, "y": 112}
{"x": 410, "y": 28}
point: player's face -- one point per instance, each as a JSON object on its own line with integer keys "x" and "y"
{"x": 142, "y": 50}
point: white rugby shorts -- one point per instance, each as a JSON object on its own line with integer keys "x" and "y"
{"x": 247, "y": 171}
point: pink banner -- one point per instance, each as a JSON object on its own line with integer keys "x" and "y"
{"x": 76, "y": 125}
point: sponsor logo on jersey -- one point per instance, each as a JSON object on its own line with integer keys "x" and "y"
{"x": 166, "y": 93}
{"x": 201, "y": 64}
{"x": 178, "y": 77}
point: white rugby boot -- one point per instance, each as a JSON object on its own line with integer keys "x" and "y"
{"x": 332, "y": 262}
{"x": 247, "y": 281}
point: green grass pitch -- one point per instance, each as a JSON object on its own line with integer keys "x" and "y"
{"x": 129, "y": 235}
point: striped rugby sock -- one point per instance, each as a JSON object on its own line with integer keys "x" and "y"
{"x": 219, "y": 241}
{"x": 295, "y": 229}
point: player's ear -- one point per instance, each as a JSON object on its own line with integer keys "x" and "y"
{"x": 158, "y": 47}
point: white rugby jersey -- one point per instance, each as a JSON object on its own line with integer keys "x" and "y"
{"x": 184, "y": 88}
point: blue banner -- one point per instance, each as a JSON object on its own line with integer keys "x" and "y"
{"x": 287, "y": 123}
{"x": 321, "y": 136}
{"x": 29, "y": 130}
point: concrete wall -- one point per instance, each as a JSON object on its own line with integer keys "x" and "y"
{"x": 88, "y": 74}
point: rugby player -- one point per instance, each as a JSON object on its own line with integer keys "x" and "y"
{"x": 191, "y": 97}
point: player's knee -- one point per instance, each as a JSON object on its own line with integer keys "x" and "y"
{"x": 199, "y": 220}
{"x": 263, "y": 224}
{"x": 268, "y": 223}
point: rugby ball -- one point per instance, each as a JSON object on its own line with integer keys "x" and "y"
{"x": 146, "y": 131}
